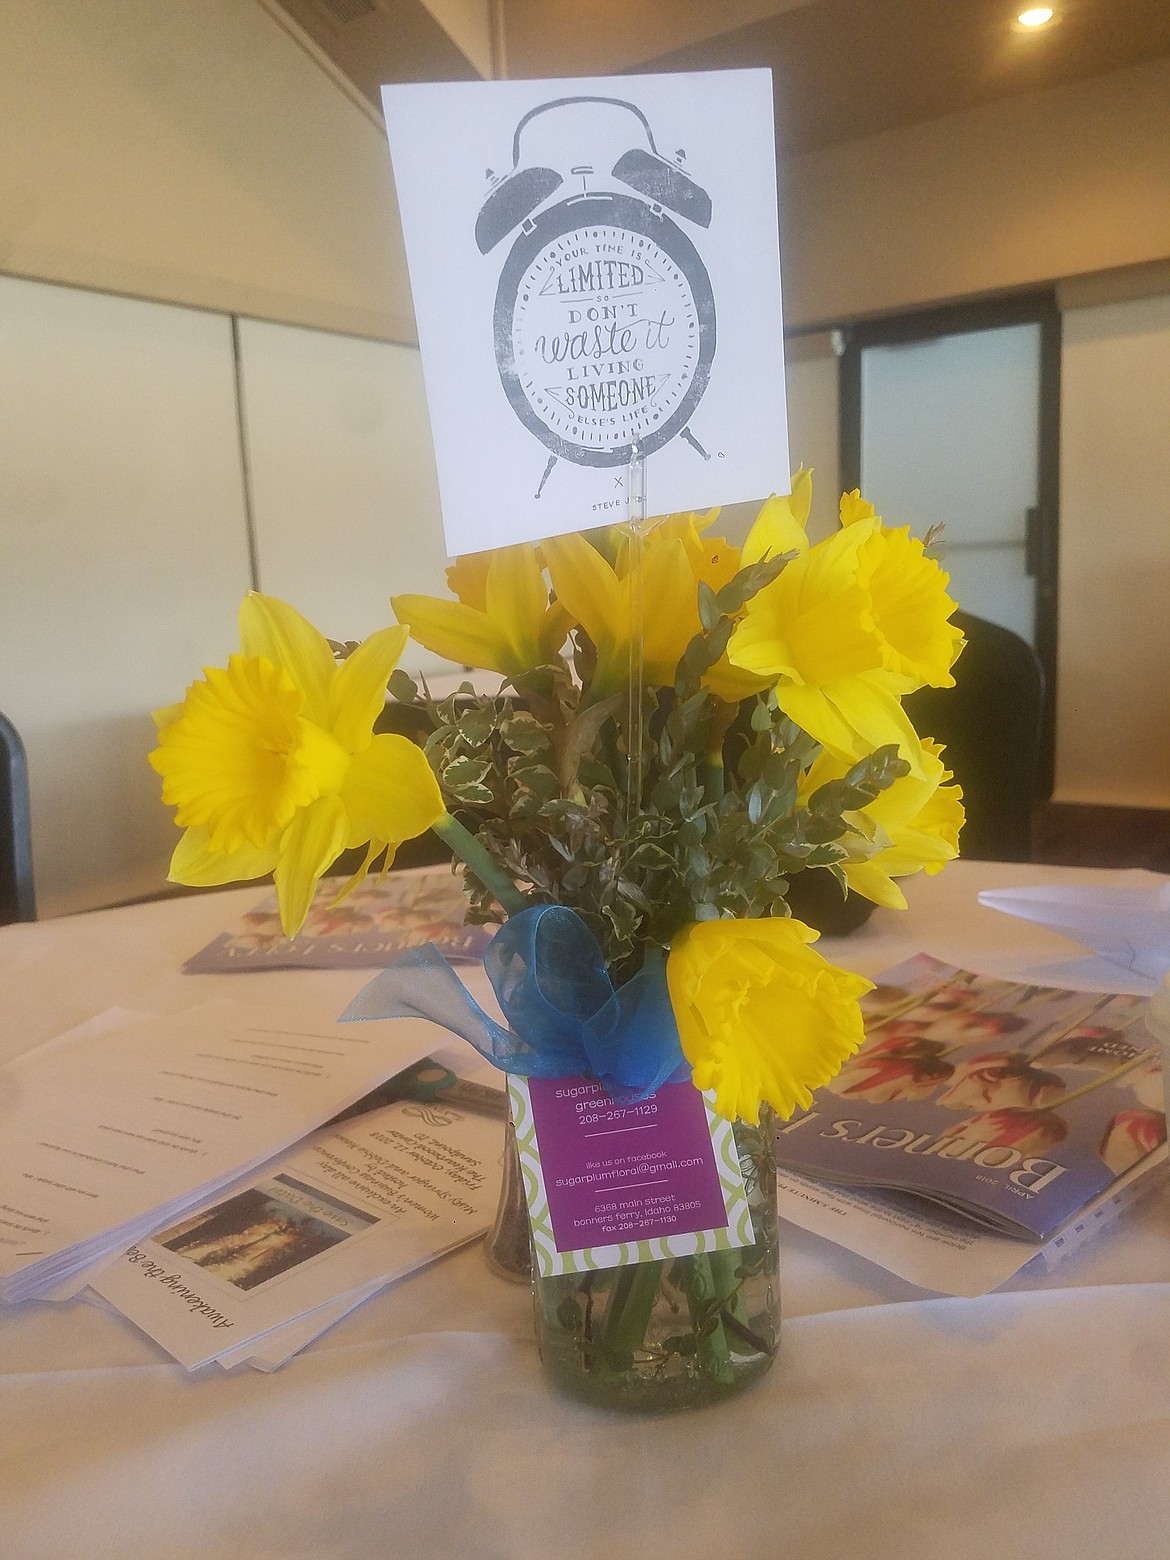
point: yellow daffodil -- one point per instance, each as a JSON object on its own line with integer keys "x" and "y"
{"x": 761, "y": 1016}
{"x": 599, "y": 588}
{"x": 272, "y": 764}
{"x": 919, "y": 818}
{"x": 603, "y": 602}
{"x": 847, "y": 628}
{"x": 502, "y": 622}
{"x": 781, "y": 525}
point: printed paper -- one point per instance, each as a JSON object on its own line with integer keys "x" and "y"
{"x": 595, "y": 271}
{"x": 1014, "y": 1104}
{"x": 358, "y": 1206}
{"x": 117, "y": 1130}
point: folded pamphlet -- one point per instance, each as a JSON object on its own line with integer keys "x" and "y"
{"x": 254, "y": 1276}
{"x": 366, "y": 929}
{"x": 1013, "y": 1106}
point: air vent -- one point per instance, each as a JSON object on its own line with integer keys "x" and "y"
{"x": 344, "y": 11}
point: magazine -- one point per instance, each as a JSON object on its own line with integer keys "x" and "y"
{"x": 380, "y": 918}
{"x": 1013, "y": 1105}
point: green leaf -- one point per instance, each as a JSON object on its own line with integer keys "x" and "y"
{"x": 524, "y": 733}
{"x": 740, "y": 590}
{"x": 755, "y": 803}
{"x": 475, "y": 725}
{"x": 464, "y": 779}
{"x": 709, "y": 613}
{"x": 761, "y": 716}
{"x": 402, "y": 687}
{"x": 580, "y": 735}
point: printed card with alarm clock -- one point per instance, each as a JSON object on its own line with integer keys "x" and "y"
{"x": 596, "y": 277}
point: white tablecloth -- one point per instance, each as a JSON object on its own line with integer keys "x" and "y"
{"x": 1028, "y": 1424}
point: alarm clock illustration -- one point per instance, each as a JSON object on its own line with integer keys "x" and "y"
{"x": 604, "y": 318}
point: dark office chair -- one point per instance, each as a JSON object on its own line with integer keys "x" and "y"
{"x": 990, "y": 722}
{"x": 17, "y": 899}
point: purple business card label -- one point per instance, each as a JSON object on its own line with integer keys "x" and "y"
{"x": 618, "y": 1174}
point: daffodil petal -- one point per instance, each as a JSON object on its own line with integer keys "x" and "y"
{"x": 271, "y": 628}
{"x": 516, "y": 597}
{"x": 587, "y": 588}
{"x": 467, "y": 579}
{"x": 732, "y": 683}
{"x": 800, "y": 498}
{"x": 670, "y": 610}
{"x": 390, "y": 791}
{"x": 869, "y": 880}
{"x": 813, "y": 712}
{"x": 310, "y": 845}
{"x": 779, "y": 527}
{"x": 358, "y": 694}
{"x": 196, "y": 865}
{"x": 460, "y": 633}
{"x": 854, "y": 508}
{"x": 876, "y": 716}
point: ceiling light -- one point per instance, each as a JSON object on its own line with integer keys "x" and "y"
{"x": 1035, "y": 16}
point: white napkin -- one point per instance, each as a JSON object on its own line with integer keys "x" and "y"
{"x": 1128, "y": 927}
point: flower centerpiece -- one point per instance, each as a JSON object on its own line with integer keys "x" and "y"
{"x": 684, "y": 727}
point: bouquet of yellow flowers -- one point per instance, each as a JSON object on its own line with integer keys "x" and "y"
{"x": 684, "y": 726}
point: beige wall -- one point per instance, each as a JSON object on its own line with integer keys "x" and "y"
{"x": 1113, "y": 716}
{"x": 1018, "y": 192}
{"x": 193, "y": 153}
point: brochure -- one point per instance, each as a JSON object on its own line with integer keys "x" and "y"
{"x": 381, "y": 918}
{"x": 254, "y": 1275}
{"x": 1013, "y": 1105}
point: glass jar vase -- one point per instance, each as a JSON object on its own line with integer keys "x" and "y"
{"x": 678, "y": 1332}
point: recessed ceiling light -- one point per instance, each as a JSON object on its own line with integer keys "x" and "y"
{"x": 1035, "y": 16}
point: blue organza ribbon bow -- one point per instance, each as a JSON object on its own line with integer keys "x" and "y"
{"x": 547, "y": 971}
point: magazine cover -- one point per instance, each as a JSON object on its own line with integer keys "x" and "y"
{"x": 380, "y": 918}
{"x": 1014, "y": 1104}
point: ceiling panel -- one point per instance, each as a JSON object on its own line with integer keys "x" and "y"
{"x": 843, "y": 68}
{"x": 850, "y": 68}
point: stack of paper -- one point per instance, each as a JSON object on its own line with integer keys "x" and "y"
{"x": 122, "y": 1127}
{"x": 252, "y": 1277}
